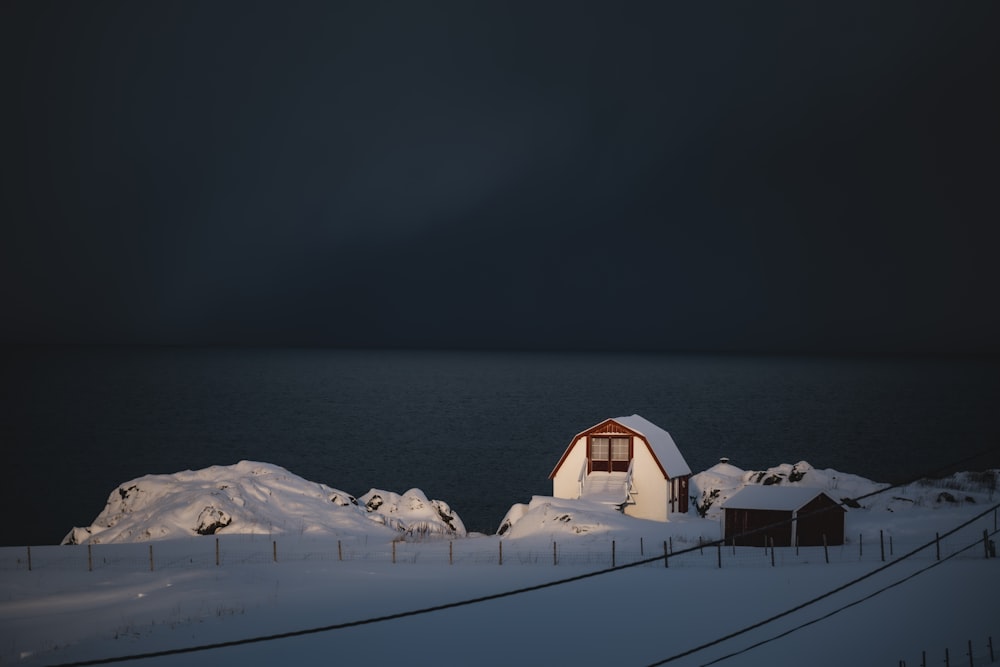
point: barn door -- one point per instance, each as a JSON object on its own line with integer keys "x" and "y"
{"x": 610, "y": 453}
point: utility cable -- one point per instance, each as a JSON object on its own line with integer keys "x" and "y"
{"x": 976, "y": 543}
{"x": 823, "y": 596}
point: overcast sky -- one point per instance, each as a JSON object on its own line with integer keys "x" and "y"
{"x": 664, "y": 175}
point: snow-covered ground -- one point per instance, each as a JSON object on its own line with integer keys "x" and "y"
{"x": 282, "y": 570}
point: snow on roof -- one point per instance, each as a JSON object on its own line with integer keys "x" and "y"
{"x": 787, "y": 498}
{"x": 662, "y": 444}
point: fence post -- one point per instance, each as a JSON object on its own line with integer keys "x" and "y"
{"x": 274, "y": 550}
{"x": 90, "y": 558}
{"x": 986, "y": 542}
{"x": 217, "y": 552}
{"x": 826, "y": 551}
{"x": 700, "y": 550}
{"x": 671, "y": 542}
{"x": 394, "y": 551}
{"x": 796, "y": 544}
{"x": 666, "y": 555}
{"x": 612, "y": 553}
{"x": 989, "y": 643}
{"x": 772, "y": 552}
{"x": 923, "y": 659}
{"x": 501, "y": 552}
{"x": 340, "y": 552}
{"x": 947, "y": 660}
{"x": 29, "y": 559}
{"x": 881, "y": 544}
{"x": 861, "y": 546}
{"x": 970, "y": 654}
{"x": 891, "y": 552}
{"x": 718, "y": 547}
{"x": 641, "y": 551}
{"x": 451, "y": 553}
{"x": 555, "y": 558}
{"x": 150, "y": 557}
{"x": 937, "y": 546}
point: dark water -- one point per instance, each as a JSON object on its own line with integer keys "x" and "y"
{"x": 479, "y": 430}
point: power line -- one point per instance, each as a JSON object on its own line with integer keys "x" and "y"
{"x": 486, "y": 598}
{"x": 823, "y": 596}
{"x": 975, "y": 543}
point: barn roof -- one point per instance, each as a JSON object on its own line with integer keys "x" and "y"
{"x": 660, "y": 442}
{"x": 781, "y": 498}
{"x": 667, "y": 455}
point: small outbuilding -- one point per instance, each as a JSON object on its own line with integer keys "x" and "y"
{"x": 627, "y": 462}
{"x": 788, "y": 515}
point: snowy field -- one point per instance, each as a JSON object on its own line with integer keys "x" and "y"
{"x": 97, "y": 602}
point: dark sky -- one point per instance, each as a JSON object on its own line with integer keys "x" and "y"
{"x": 657, "y": 176}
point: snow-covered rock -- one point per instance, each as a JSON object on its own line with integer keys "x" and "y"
{"x": 412, "y": 513}
{"x": 256, "y": 498}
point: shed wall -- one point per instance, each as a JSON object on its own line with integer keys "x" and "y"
{"x": 820, "y": 516}
{"x": 740, "y": 521}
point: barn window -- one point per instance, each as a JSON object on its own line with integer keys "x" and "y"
{"x": 609, "y": 454}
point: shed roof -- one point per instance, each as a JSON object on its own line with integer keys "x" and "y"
{"x": 781, "y": 498}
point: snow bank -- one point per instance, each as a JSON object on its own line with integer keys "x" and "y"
{"x": 256, "y": 498}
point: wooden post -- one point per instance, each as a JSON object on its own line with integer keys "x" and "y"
{"x": 666, "y": 555}
{"x": 29, "y": 559}
{"x": 90, "y": 559}
{"x": 772, "y": 552}
{"x": 826, "y": 552}
{"x": 274, "y": 550}
{"x": 796, "y": 544}
{"x": 881, "y": 544}
{"x": 700, "y": 550}
{"x": 923, "y": 659}
{"x": 451, "y": 553}
{"x": 394, "y": 551}
{"x": 986, "y": 542}
{"x": 150, "y": 557}
{"x": 501, "y": 552}
{"x": 970, "y": 654}
{"x": 891, "y": 553}
{"x": 217, "y": 552}
{"x": 937, "y": 545}
{"x": 555, "y": 558}
{"x": 340, "y": 552}
{"x": 718, "y": 546}
{"x": 612, "y": 553}
{"x": 641, "y": 551}
{"x": 947, "y": 660}
{"x": 989, "y": 643}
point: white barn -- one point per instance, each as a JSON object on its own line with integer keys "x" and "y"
{"x": 628, "y": 462}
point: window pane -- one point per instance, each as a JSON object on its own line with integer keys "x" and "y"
{"x": 599, "y": 448}
{"x": 619, "y": 449}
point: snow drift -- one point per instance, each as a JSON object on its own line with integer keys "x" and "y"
{"x": 257, "y": 498}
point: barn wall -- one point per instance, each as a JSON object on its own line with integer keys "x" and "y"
{"x": 651, "y": 487}
{"x": 566, "y": 483}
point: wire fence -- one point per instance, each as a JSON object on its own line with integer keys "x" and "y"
{"x": 228, "y": 551}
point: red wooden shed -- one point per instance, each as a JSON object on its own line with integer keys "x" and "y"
{"x": 757, "y": 514}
